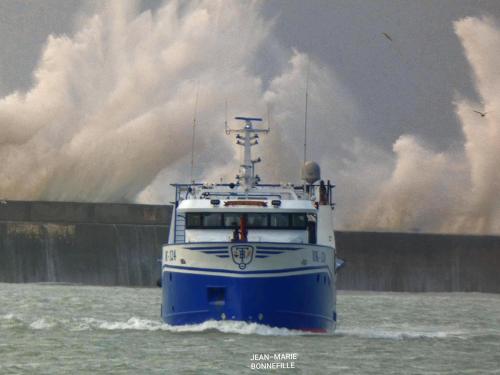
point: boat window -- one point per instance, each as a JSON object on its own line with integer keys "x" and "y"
{"x": 279, "y": 220}
{"x": 299, "y": 221}
{"x": 311, "y": 228}
{"x": 231, "y": 220}
{"x": 257, "y": 220}
{"x": 212, "y": 219}
{"x": 193, "y": 220}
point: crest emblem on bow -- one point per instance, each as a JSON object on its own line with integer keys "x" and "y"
{"x": 242, "y": 255}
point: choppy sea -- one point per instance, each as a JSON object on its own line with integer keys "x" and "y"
{"x": 62, "y": 329}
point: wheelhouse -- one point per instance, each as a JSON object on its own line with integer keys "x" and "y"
{"x": 288, "y": 221}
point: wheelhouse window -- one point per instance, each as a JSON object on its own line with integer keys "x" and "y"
{"x": 203, "y": 220}
{"x": 232, "y": 220}
{"x": 212, "y": 220}
{"x": 257, "y": 220}
{"x": 280, "y": 220}
{"x": 299, "y": 221}
{"x": 218, "y": 220}
{"x": 193, "y": 220}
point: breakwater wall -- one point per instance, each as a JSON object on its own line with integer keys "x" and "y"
{"x": 119, "y": 244}
{"x": 411, "y": 262}
{"x": 89, "y": 243}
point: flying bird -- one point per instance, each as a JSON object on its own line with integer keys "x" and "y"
{"x": 387, "y": 36}
{"x": 481, "y": 113}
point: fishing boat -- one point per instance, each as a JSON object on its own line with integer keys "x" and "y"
{"x": 252, "y": 252}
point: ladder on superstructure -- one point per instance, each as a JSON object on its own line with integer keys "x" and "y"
{"x": 180, "y": 220}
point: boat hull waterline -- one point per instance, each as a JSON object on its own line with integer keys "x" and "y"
{"x": 281, "y": 285}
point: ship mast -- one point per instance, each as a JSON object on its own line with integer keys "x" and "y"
{"x": 247, "y": 137}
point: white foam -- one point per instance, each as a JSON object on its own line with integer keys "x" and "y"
{"x": 10, "y": 320}
{"x": 239, "y": 327}
{"x": 244, "y": 328}
{"x": 131, "y": 324}
{"x": 139, "y": 324}
{"x": 42, "y": 324}
{"x": 398, "y": 334}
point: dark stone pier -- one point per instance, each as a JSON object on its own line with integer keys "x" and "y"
{"x": 119, "y": 244}
{"x": 411, "y": 262}
{"x": 88, "y": 243}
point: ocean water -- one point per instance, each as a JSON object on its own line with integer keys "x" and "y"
{"x": 62, "y": 329}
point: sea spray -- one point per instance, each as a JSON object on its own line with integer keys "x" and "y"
{"x": 457, "y": 190}
{"x": 108, "y": 118}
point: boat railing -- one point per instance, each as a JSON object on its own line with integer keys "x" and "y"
{"x": 277, "y": 191}
{"x": 241, "y": 195}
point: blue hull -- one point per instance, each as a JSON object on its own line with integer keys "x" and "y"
{"x": 302, "y": 302}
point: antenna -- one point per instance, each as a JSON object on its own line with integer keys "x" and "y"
{"x": 305, "y": 116}
{"x": 268, "y": 117}
{"x": 194, "y": 129}
{"x": 225, "y": 118}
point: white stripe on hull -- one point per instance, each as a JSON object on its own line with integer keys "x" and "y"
{"x": 256, "y": 259}
{"x": 246, "y": 275}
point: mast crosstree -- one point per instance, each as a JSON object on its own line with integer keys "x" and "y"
{"x": 247, "y": 137}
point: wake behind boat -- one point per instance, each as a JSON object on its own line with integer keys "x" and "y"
{"x": 252, "y": 252}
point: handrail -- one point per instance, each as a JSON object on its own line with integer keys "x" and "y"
{"x": 245, "y": 203}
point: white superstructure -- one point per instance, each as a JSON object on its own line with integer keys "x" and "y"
{"x": 252, "y": 232}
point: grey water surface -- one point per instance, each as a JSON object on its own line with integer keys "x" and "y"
{"x": 62, "y": 329}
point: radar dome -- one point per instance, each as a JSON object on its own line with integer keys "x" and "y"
{"x": 311, "y": 172}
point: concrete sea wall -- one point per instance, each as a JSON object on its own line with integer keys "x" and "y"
{"x": 119, "y": 244}
{"x": 89, "y": 243}
{"x": 409, "y": 262}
